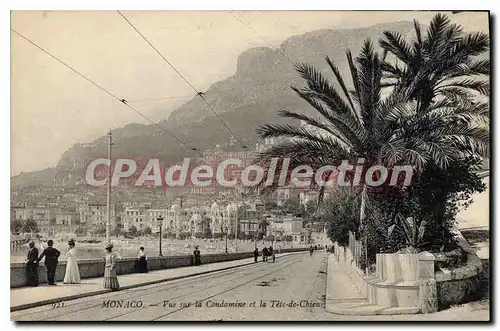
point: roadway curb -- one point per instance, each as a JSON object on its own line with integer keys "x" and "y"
{"x": 88, "y": 294}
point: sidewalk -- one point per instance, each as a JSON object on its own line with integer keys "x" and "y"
{"x": 29, "y": 297}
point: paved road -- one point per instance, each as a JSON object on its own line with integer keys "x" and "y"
{"x": 293, "y": 288}
{"x": 294, "y": 277}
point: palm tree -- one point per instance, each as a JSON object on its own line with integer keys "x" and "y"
{"x": 443, "y": 63}
{"x": 443, "y": 72}
{"x": 361, "y": 124}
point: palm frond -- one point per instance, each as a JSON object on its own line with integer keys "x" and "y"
{"x": 479, "y": 85}
{"x": 435, "y": 33}
{"x": 342, "y": 85}
{"x": 319, "y": 84}
{"x": 395, "y": 43}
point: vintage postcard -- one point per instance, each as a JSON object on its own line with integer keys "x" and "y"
{"x": 250, "y": 166}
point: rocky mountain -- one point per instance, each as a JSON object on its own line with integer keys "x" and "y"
{"x": 259, "y": 88}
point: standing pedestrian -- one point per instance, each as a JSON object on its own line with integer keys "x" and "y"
{"x": 255, "y": 254}
{"x": 264, "y": 254}
{"x": 72, "y": 275}
{"x": 110, "y": 279}
{"x": 51, "y": 260}
{"x": 142, "y": 261}
{"x": 197, "y": 255}
{"x": 32, "y": 266}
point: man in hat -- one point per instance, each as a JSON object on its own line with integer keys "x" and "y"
{"x": 51, "y": 255}
{"x": 32, "y": 266}
{"x": 197, "y": 257}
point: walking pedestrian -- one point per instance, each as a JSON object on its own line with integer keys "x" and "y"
{"x": 255, "y": 254}
{"x": 51, "y": 260}
{"x": 142, "y": 261}
{"x": 270, "y": 253}
{"x": 110, "y": 279}
{"x": 311, "y": 249}
{"x": 72, "y": 274}
{"x": 32, "y": 266}
{"x": 264, "y": 254}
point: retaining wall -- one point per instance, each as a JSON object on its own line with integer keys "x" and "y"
{"x": 90, "y": 268}
{"x": 410, "y": 280}
{"x": 463, "y": 284}
{"x": 404, "y": 281}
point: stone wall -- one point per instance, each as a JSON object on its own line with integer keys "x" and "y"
{"x": 405, "y": 280}
{"x": 90, "y": 268}
{"x": 401, "y": 281}
{"x": 462, "y": 284}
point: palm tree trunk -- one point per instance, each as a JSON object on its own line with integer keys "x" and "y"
{"x": 362, "y": 226}
{"x": 362, "y": 211}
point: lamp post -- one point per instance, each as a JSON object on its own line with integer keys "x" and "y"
{"x": 226, "y": 230}
{"x": 160, "y": 222}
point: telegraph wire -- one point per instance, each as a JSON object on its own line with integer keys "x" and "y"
{"x": 200, "y": 94}
{"x": 268, "y": 43}
{"x": 190, "y": 96}
{"x": 123, "y": 101}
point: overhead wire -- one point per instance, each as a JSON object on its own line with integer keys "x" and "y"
{"x": 121, "y": 100}
{"x": 190, "y": 96}
{"x": 185, "y": 80}
{"x": 256, "y": 33}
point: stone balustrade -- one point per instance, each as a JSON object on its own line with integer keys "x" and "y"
{"x": 410, "y": 281}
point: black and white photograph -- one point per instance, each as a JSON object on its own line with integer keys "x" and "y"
{"x": 246, "y": 165}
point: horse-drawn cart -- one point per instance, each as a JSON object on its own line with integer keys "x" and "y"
{"x": 268, "y": 255}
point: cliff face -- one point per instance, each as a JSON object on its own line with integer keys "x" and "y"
{"x": 253, "y": 96}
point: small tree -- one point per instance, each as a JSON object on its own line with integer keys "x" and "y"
{"x": 15, "y": 225}
{"x": 132, "y": 231}
{"x": 30, "y": 225}
{"x": 341, "y": 215}
{"x": 147, "y": 231}
{"x": 292, "y": 206}
{"x": 310, "y": 207}
{"x": 207, "y": 232}
{"x": 117, "y": 231}
{"x": 99, "y": 231}
{"x": 80, "y": 231}
{"x": 263, "y": 224}
{"x": 271, "y": 205}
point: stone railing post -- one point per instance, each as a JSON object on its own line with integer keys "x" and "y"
{"x": 427, "y": 283}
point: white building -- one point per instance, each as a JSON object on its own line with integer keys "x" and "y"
{"x": 93, "y": 214}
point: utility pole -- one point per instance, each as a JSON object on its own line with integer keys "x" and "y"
{"x": 108, "y": 195}
{"x": 160, "y": 223}
{"x": 236, "y": 230}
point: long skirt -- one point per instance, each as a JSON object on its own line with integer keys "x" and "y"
{"x": 110, "y": 279}
{"x": 142, "y": 265}
{"x": 72, "y": 275}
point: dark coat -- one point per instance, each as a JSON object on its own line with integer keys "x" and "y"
{"x": 51, "y": 255}
{"x": 32, "y": 256}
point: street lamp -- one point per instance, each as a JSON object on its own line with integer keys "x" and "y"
{"x": 160, "y": 222}
{"x": 225, "y": 232}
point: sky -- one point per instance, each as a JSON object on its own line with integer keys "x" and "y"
{"x": 53, "y": 108}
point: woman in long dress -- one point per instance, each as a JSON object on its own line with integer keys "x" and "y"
{"x": 72, "y": 275}
{"x": 110, "y": 279}
{"x": 142, "y": 263}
